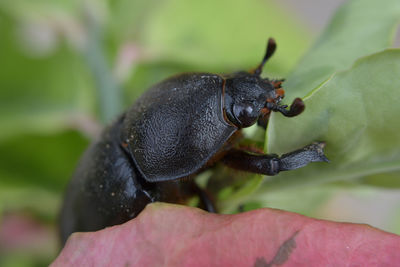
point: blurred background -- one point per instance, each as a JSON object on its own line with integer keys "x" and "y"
{"x": 68, "y": 67}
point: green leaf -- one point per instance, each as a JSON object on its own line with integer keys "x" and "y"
{"x": 359, "y": 28}
{"x": 356, "y": 113}
{"x": 312, "y": 198}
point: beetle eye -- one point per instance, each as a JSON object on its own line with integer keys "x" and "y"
{"x": 245, "y": 114}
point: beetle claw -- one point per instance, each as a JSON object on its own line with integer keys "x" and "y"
{"x": 295, "y": 109}
{"x": 301, "y": 157}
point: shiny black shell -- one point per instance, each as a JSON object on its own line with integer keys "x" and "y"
{"x": 170, "y": 132}
{"x": 177, "y": 126}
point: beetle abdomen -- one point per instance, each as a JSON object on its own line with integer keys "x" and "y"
{"x": 177, "y": 126}
{"x": 105, "y": 189}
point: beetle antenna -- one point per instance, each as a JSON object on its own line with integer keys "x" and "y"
{"x": 271, "y": 47}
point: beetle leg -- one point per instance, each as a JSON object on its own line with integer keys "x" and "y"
{"x": 263, "y": 121}
{"x": 206, "y": 201}
{"x": 295, "y": 109}
{"x": 272, "y": 164}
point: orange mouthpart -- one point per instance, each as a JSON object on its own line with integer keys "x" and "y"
{"x": 265, "y": 111}
{"x": 280, "y": 92}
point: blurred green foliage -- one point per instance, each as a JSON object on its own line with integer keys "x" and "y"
{"x": 357, "y": 29}
{"x": 355, "y": 112}
{"x": 353, "y": 108}
{"x": 69, "y": 66}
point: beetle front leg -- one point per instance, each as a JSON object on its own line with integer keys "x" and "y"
{"x": 263, "y": 121}
{"x": 272, "y": 164}
{"x": 206, "y": 201}
{"x": 295, "y": 108}
{"x": 277, "y": 83}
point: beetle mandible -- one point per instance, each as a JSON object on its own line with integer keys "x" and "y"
{"x": 175, "y": 130}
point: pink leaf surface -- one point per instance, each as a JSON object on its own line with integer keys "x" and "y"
{"x": 172, "y": 235}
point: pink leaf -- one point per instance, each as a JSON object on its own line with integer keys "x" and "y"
{"x": 172, "y": 235}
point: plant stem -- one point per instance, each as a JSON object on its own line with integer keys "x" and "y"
{"x": 108, "y": 91}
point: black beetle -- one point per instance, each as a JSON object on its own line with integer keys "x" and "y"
{"x": 175, "y": 130}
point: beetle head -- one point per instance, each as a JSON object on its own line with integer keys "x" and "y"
{"x": 247, "y": 96}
